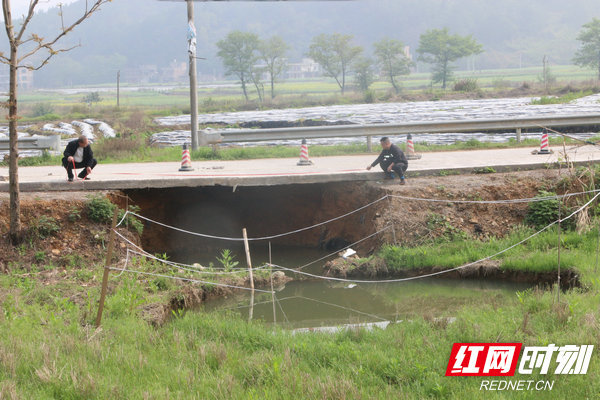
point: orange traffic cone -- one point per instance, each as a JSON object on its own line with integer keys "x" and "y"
{"x": 304, "y": 154}
{"x": 410, "y": 149}
{"x": 186, "y": 161}
{"x": 544, "y": 145}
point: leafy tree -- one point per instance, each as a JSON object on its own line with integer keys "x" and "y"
{"x": 588, "y": 55}
{"x": 42, "y": 50}
{"x": 92, "y": 97}
{"x": 363, "y": 73}
{"x": 238, "y": 53}
{"x": 272, "y": 52}
{"x": 392, "y": 61}
{"x": 334, "y": 53}
{"x": 438, "y": 47}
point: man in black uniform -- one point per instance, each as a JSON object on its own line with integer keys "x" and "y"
{"x": 79, "y": 152}
{"x": 391, "y": 159}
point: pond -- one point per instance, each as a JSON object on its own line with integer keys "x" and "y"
{"x": 316, "y": 303}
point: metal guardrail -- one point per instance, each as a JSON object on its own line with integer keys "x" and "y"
{"x": 463, "y": 126}
{"x": 34, "y": 143}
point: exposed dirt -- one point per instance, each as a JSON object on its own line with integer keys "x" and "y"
{"x": 418, "y": 221}
{"x": 76, "y": 243}
{"x": 57, "y": 231}
{"x": 376, "y": 268}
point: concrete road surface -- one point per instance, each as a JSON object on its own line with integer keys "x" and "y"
{"x": 285, "y": 171}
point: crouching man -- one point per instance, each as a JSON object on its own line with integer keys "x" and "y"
{"x": 391, "y": 160}
{"x": 78, "y": 154}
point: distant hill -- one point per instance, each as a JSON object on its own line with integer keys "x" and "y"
{"x": 131, "y": 33}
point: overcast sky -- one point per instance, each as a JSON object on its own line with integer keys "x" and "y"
{"x": 20, "y": 7}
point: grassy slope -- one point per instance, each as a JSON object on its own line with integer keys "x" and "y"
{"x": 46, "y": 353}
{"x": 536, "y": 255}
{"x": 49, "y": 349}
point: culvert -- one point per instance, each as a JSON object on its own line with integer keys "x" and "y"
{"x": 263, "y": 211}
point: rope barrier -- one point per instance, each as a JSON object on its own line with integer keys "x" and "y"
{"x": 188, "y": 280}
{"x": 344, "y": 248}
{"x": 190, "y": 268}
{"x": 444, "y": 271}
{"x": 196, "y": 270}
{"x": 342, "y": 307}
{"x": 145, "y": 253}
{"x": 513, "y": 201}
{"x": 264, "y": 237}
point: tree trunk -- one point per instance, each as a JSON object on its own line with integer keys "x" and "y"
{"x": 445, "y": 74}
{"x": 599, "y": 65}
{"x": 272, "y": 87}
{"x": 393, "y": 81}
{"x": 244, "y": 87}
{"x": 15, "y": 204}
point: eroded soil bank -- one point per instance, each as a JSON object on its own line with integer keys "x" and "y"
{"x": 73, "y": 247}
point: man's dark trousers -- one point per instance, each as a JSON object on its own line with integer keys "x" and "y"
{"x": 69, "y": 166}
{"x": 398, "y": 168}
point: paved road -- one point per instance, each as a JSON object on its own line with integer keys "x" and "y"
{"x": 284, "y": 171}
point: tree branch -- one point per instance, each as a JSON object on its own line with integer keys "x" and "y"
{"x": 32, "y": 5}
{"x": 49, "y": 44}
{"x": 47, "y": 59}
{"x": 8, "y": 22}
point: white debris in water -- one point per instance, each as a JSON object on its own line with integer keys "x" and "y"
{"x": 86, "y": 129}
{"x": 348, "y": 253}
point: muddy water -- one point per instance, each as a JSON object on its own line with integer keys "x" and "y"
{"x": 313, "y": 302}
{"x": 317, "y": 303}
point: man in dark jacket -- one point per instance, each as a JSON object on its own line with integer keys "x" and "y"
{"x": 80, "y": 153}
{"x": 391, "y": 159}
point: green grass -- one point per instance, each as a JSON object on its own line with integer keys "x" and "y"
{"x": 48, "y": 350}
{"x": 567, "y": 98}
{"x": 537, "y": 255}
{"x": 297, "y": 93}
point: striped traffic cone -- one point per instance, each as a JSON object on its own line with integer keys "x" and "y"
{"x": 544, "y": 146}
{"x": 410, "y": 149}
{"x": 186, "y": 161}
{"x": 304, "y": 154}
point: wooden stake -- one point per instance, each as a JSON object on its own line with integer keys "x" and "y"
{"x": 107, "y": 262}
{"x": 558, "y": 278}
{"x": 248, "y": 260}
{"x": 272, "y": 291}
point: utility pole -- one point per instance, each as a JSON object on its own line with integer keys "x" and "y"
{"x": 118, "y": 87}
{"x": 193, "y": 77}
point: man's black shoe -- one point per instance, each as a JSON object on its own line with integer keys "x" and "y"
{"x": 70, "y": 179}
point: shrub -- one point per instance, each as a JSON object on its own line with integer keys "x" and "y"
{"x": 100, "y": 209}
{"x": 466, "y": 85}
{"x": 118, "y": 147}
{"x": 40, "y": 109}
{"x": 44, "y": 227}
{"x": 544, "y": 212}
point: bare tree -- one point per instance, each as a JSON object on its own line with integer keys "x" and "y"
{"x": 43, "y": 49}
